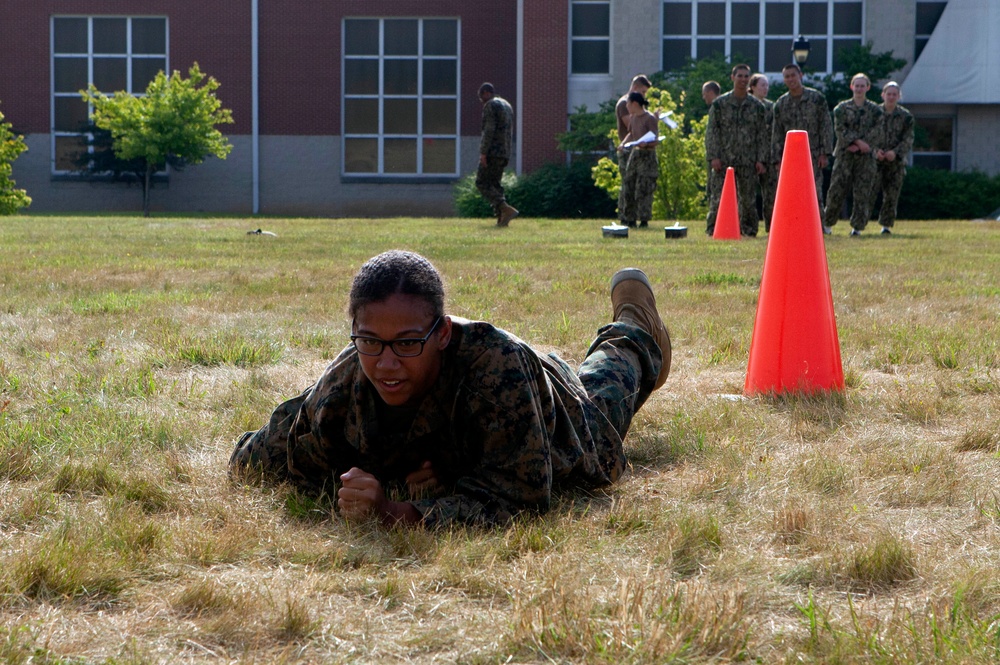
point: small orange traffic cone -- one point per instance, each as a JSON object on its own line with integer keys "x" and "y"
{"x": 794, "y": 347}
{"x": 727, "y": 219}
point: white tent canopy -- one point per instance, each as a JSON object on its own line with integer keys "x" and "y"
{"x": 961, "y": 62}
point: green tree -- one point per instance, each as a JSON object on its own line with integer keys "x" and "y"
{"x": 173, "y": 123}
{"x": 681, "y": 159}
{"x": 11, "y": 146}
{"x": 854, "y": 59}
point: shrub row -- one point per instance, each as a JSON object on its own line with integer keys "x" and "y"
{"x": 935, "y": 194}
{"x": 554, "y": 190}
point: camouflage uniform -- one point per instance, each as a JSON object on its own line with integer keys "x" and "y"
{"x": 895, "y": 133}
{"x": 635, "y": 202}
{"x": 503, "y": 425}
{"x": 808, "y": 112}
{"x": 853, "y": 171}
{"x": 768, "y": 180}
{"x": 736, "y": 136}
{"x": 498, "y": 126}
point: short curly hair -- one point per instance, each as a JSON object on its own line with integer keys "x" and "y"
{"x": 397, "y": 272}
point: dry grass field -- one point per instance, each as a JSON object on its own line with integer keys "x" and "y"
{"x": 856, "y": 527}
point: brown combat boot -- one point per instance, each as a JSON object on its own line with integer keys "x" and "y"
{"x": 633, "y": 302}
{"x": 507, "y": 213}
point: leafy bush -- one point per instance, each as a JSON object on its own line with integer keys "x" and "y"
{"x": 935, "y": 194}
{"x": 554, "y": 190}
{"x": 682, "y": 168}
{"x": 12, "y": 199}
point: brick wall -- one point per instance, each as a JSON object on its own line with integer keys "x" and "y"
{"x": 546, "y": 49}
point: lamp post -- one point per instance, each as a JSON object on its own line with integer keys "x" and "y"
{"x": 800, "y": 50}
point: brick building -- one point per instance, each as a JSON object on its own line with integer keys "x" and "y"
{"x": 369, "y": 108}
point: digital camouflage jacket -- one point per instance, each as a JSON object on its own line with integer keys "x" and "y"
{"x": 503, "y": 427}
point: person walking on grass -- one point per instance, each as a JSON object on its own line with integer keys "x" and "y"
{"x": 638, "y": 151}
{"x": 893, "y": 143}
{"x": 855, "y": 122}
{"x": 428, "y": 418}
{"x": 495, "y": 151}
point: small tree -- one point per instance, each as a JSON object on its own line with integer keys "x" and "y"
{"x": 681, "y": 160}
{"x": 173, "y": 123}
{"x": 11, "y": 145}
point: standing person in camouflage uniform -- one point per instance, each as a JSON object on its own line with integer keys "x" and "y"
{"x": 803, "y": 108}
{"x": 635, "y": 202}
{"x": 893, "y": 143}
{"x": 640, "y": 84}
{"x": 736, "y": 137}
{"x": 768, "y": 180}
{"x": 432, "y": 419}
{"x": 855, "y": 122}
{"x": 494, "y": 152}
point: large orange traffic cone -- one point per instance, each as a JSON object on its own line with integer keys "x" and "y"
{"x": 727, "y": 219}
{"x": 794, "y": 347}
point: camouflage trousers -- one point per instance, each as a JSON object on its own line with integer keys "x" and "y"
{"x": 488, "y": 182}
{"x": 851, "y": 172}
{"x": 768, "y": 185}
{"x": 638, "y": 186}
{"x": 746, "y": 198}
{"x": 620, "y": 371}
{"x": 890, "y": 181}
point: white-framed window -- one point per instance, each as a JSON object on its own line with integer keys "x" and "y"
{"x": 928, "y": 14}
{"x": 934, "y": 141}
{"x": 590, "y": 36}
{"x": 112, "y": 52}
{"x": 400, "y": 106}
{"x": 760, "y": 32}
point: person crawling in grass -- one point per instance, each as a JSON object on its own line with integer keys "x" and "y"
{"x": 461, "y": 421}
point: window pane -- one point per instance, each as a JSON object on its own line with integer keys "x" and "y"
{"x": 71, "y": 114}
{"x": 812, "y": 18}
{"x": 676, "y": 19}
{"x": 928, "y": 14}
{"x": 439, "y": 116}
{"x": 744, "y": 50}
{"x": 817, "y": 61}
{"x": 710, "y": 47}
{"x": 400, "y": 156}
{"x": 70, "y": 74}
{"x": 933, "y": 135}
{"x": 68, "y": 149}
{"x": 440, "y": 77}
{"x": 110, "y": 74}
{"x": 838, "y": 64}
{"x": 361, "y": 37}
{"x": 590, "y": 57}
{"x": 361, "y": 77}
{"x": 777, "y": 54}
{"x": 401, "y": 37}
{"x": 400, "y": 116}
{"x": 361, "y": 155}
{"x": 591, "y": 20}
{"x": 439, "y": 156}
{"x": 109, "y": 35}
{"x": 676, "y": 52}
{"x": 70, "y": 35}
{"x": 144, "y": 70}
{"x": 440, "y": 37}
{"x": 711, "y": 18}
{"x": 400, "y": 77}
{"x": 746, "y": 19}
{"x": 361, "y": 116}
{"x": 778, "y": 17}
{"x": 939, "y": 162}
{"x": 149, "y": 35}
{"x": 847, "y": 18}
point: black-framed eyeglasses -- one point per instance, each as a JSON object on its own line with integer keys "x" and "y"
{"x": 406, "y": 347}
